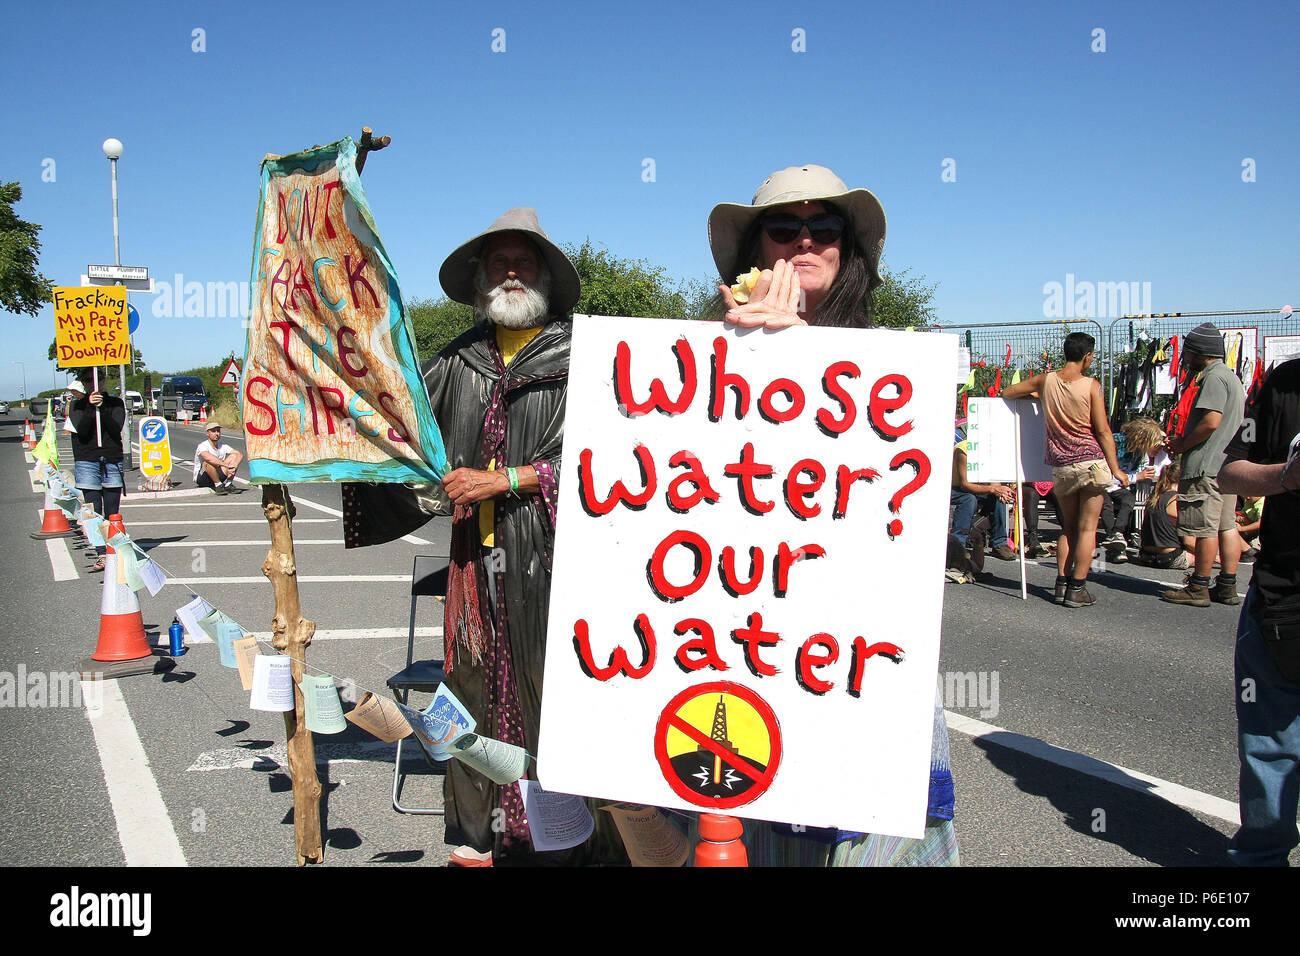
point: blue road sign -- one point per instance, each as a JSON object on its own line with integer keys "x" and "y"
{"x": 153, "y": 430}
{"x": 132, "y": 319}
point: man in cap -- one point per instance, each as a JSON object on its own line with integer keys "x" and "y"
{"x": 1204, "y": 513}
{"x": 498, "y": 394}
{"x": 215, "y": 463}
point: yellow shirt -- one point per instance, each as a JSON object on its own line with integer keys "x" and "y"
{"x": 509, "y": 341}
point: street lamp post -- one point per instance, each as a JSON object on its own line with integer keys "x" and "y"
{"x": 113, "y": 149}
{"x": 24, "y": 368}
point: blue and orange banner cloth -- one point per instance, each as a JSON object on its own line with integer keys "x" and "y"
{"x": 331, "y": 388}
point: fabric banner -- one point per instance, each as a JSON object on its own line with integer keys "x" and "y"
{"x": 332, "y": 388}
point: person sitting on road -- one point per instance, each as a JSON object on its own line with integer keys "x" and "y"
{"x": 1032, "y": 492}
{"x": 971, "y": 497}
{"x": 1161, "y": 546}
{"x": 215, "y": 463}
{"x": 1249, "y": 517}
{"x": 1144, "y": 458}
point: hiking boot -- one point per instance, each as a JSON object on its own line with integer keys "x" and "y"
{"x": 1224, "y": 593}
{"x": 1078, "y": 597}
{"x": 1117, "y": 557}
{"x": 1003, "y": 552}
{"x": 1058, "y": 596}
{"x": 1035, "y": 550}
{"x": 1192, "y": 595}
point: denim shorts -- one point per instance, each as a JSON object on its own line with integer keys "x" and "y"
{"x": 97, "y": 475}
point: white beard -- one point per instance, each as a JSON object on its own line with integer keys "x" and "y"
{"x": 512, "y": 310}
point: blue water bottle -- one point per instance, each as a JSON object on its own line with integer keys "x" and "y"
{"x": 177, "y": 635}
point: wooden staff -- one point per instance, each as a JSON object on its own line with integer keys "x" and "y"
{"x": 291, "y": 634}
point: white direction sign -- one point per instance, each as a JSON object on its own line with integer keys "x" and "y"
{"x": 117, "y": 272}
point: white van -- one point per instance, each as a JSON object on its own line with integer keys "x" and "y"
{"x": 134, "y": 401}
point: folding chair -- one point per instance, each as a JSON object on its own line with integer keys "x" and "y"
{"x": 428, "y": 579}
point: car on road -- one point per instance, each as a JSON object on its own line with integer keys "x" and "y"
{"x": 134, "y": 401}
{"x": 181, "y": 393}
{"x": 4, "y": 408}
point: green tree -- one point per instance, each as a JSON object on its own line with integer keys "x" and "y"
{"x": 22, "y": 288}
{"x": 902, "y": 300}
{"x": 632, "y": 287}
{"x": 436, "y": 322}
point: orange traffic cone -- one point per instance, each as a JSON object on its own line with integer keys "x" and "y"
{"x": 203, "y": 415}
{"x": 720, "y": 843}
{"x": 29, "y": 436}
{"x": 123, "y": 648}
{"x": 54, "y": 523}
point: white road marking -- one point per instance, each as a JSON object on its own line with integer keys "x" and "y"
{"x": 276, "y": 756}
{"x": 143, "y": 826}
{"x": 1174, "y": 793}
{"x": 61, "y": 560}
{"x": 261, "y": 521}
{"x": 225, "y": 503}
{"x": 302, "y": 579}
{"x": 217, "y": 544}
{"x": 330, "y": 634}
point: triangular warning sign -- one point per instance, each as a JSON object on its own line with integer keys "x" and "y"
{"x": 231, "y": 374}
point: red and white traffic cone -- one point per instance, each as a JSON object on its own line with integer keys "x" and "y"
{"x": 54, "y": 523}
{"x": 203, "y": 414}
{"x": 720, "y": 841}
{"x": 29, "y": 436}
{"x": 123, "y": 648}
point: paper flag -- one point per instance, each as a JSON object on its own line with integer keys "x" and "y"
{"x": 153, "y": 577}
{"x": 189, "y": 616}
{"x": 500, "y": 762}
{"x": 379, "y": 716}
{"x": 245, "y": 654}
{"x": 556, "y": 821}
{"x": 323, "y": 712}
{"x": 272, "y": 684}
{"x": 227, "y": 633}
{"x": 94, "y": 530}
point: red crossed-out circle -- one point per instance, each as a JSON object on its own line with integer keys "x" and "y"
{"x": 670, "y": 718}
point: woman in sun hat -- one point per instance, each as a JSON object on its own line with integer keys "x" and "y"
{"x": 817, "y": 246}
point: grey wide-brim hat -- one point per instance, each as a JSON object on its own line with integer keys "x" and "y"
{"x": 457, "y": 272}
{"x": 729, "y": 221}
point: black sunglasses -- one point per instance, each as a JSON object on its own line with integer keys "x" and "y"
{"x": 825, "y": 227}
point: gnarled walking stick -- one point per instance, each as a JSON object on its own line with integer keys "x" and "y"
{"x": 291, "y": 634}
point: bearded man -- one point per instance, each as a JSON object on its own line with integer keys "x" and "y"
{"x": 498, "y": 394}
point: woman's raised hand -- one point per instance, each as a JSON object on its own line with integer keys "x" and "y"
{"x": 774, "y": 302}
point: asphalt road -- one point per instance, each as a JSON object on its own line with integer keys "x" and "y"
{"x": 1130, "y": 683}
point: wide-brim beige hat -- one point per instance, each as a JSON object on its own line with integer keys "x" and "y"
{"x": 729, "y": 221}
{"x": 457, "y": 272}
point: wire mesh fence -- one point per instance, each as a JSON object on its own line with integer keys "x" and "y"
{"x": 1136, "y": 356}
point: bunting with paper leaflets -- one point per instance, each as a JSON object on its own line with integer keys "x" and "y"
{"x": 59, "y": 497}
{"x": 123, "y": 648}
{"x": 445, "y": 729}
{"x": 331, "y": 388}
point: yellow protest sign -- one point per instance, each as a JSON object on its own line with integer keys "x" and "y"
{"x": 90, "y": 326}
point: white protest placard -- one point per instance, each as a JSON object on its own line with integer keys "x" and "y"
{"x": 1279, "y": 348}
{"x": 991, "y": 441}
{"x": 746, "y": 604}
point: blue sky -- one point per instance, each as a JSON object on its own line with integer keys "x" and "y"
{"x": 1117, "y": 166}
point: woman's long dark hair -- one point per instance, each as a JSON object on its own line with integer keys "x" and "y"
{"x": 848, "y": 303}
